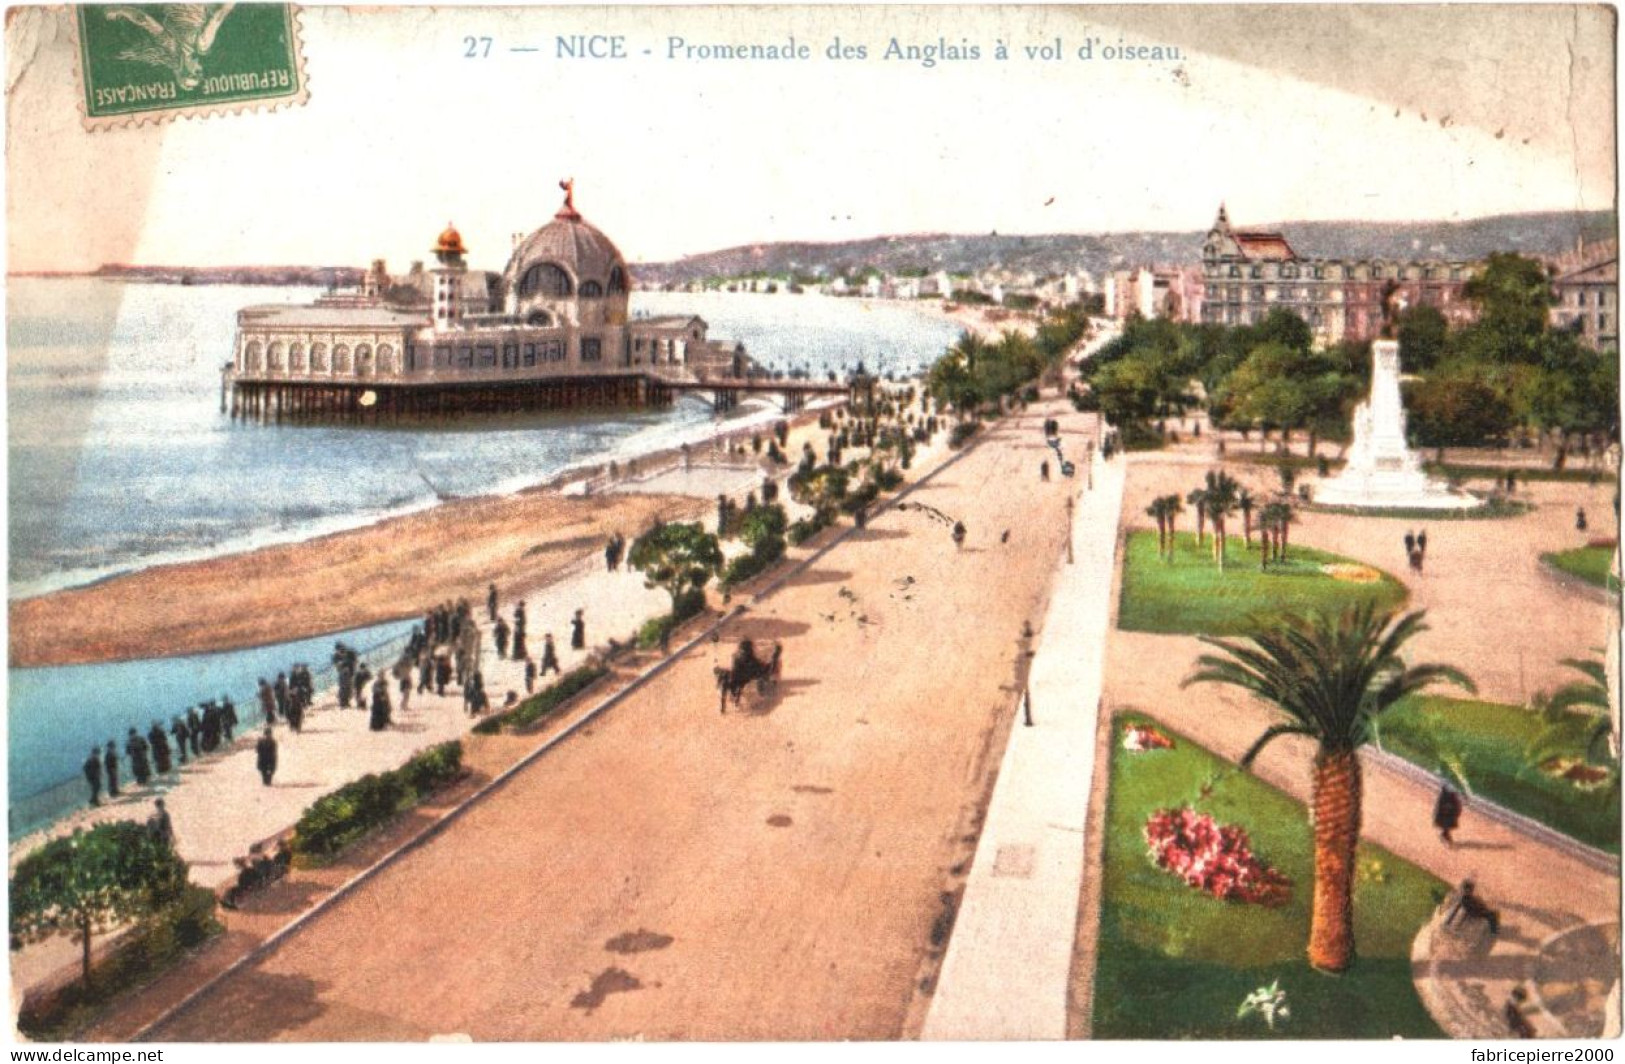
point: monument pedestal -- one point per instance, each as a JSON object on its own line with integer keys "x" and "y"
{"x": 1382, "y": 472}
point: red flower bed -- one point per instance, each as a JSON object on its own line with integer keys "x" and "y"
{"x": 1213, "y": 858}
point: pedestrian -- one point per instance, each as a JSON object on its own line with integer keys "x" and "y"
{"x": 265, "y": 756}
{"x": 550, "y": 655}
{"x": 267, "y": 701}
{"x": 211, "y": 726}
{"x": 442, "y": 674}
{"x": 1447, "y": 813}
{"x": 1580, "y": 519}
{"x": 530, "y": 676}
{"x": 510, "y": 701}
{"x": 177, "y": 728}
{"x": 381, "y": 709}
{"x": 1518, "y": 1024}
{"x": 160, "y": 826}
{"x": 520, "y": 650}
{"x": 194, "y": 731}
{"x": 363, "y": 679}
{"x": 228, "y": 715}
{"x": 110, "y": 768}
{"x": 491, "y": 601}
{"x": 1410, "y": 543}
{"x": 135, "y": 748}
{"x": 93, "y": 775}
{"x": 406, "y": 688}
{"x": 296, "y": 713}
{"x": 1471, "y": 907}
{"x": 959, "y": 534}
{"x": 502, "y": 638}
{"x": 1422, "y": 542}
{"x": 1043, "y": 471}
{"x": 160, "y": 748}
{"x": 280, "y": 690}
{"x": 578, "y": 632}
{"x": 1416, "y": 560}
{"x": 609, "y": 554}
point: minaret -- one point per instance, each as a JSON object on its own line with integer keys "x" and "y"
{"x": 448, "y": 278}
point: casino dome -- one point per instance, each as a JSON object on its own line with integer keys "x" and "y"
{"x": 567, "y": 257}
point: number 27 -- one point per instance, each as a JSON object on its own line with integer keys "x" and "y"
{"x": 478, "y": 47}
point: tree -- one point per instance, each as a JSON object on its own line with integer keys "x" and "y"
{"x": 1590, "y": 697}
{"x": 1245, "y": 502}
{"x": 1197, "y": 497}
{"x": 1332, "y": 677}
{"x": 1159, "y": 510}
{"x": 1220, "y": 496}
{"x": 1457, "y": 407}
{"x": 823, "y": 488}
{"x": 1423, "y": 334}
{"x": 91, "y": 882}
{"x": 676, "y": 557}
{"x": 1514, "y": 296}
{"x": 1274, "y": 518}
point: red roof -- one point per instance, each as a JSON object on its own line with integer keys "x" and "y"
{"x": 1268, "y": 246}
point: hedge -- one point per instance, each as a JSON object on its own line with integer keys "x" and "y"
{"x": 336, "y": 820}
{"x": 538, "y": 706}
{"x": 692, "y": 604}
{"x": 767, "y": 552}
{"x": 806, "y": 529}
{"x": 962, "y": 432}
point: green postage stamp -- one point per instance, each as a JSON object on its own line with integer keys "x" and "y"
{"x": 154, "y": 62}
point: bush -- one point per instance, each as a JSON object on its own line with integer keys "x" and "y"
{"x": 334, "y": 821}
{"x": 692, "y": 604}
{"x": 806, "y": 529}
{"x": 962, "y": 432}
{"x": 154, "y": 945}
{"x": 552, "y": 698}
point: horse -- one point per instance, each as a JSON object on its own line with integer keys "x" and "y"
{"x": 747, "y": 667}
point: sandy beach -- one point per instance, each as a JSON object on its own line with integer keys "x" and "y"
{"x": 381, "y": 572}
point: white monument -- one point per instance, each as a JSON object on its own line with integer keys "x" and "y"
{"x": 1381, "y": 471}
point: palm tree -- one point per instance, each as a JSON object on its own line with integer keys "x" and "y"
{"x": 1197, "y": 497}
{"x": 1245, "y": 502}
{"x": 1220, "y": 497}
{"x": 1276, "y": 516}
{"x": 1159, "y": 510}
{"x": 1333, "y": 676}
{"x": 1175, "y": 507}
{"x": 1590, "y": 696}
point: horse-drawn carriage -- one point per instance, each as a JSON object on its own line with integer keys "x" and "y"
{"x": 747, "y": 668}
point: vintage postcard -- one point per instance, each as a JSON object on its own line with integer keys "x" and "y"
{"x": 806, "y": 524}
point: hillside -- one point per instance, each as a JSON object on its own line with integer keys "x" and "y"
{"x": 1548, "y": 233}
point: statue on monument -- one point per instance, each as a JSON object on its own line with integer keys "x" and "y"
{"x": 1393, "y": 305}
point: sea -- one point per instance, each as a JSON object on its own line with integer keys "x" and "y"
{"x": 120, "y": 458}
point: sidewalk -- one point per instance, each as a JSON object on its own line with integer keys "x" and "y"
{"x": 219, "y": 807}
{"x": 1008, "y": 965}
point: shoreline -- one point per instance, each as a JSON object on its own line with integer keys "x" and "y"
{"x": 240, "y": 599}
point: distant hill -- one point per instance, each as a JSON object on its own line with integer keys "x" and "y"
{"x": 1548, "y": 233}
{"x": 315, "y": 276}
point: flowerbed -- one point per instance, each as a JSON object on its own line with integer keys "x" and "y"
{"x": 1216, "y": 859}
{"x": 1142, "y": 737}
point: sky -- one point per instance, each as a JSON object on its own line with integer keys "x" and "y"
{"x": 1295, "y": 113}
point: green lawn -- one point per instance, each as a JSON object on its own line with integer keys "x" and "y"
{"x": 1190, "y": 596}
{"x": 1175, "y": 963}
{"x": 1486, "y": 742}
{"x": 1594, "y": 565}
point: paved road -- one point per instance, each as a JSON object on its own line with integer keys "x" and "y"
{"x": 674, "y": 873}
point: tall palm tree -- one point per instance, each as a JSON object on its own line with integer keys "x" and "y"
{"x": 1276, "y": 516}
{"x": 1245, "y": 503}
{"x": 1159, "y": 510}
{"x": 1333, "y": 676}
{"x": 1220, "y": 496}
{"x": 1197, "y": 498}
{"x": 1175, "y": 508}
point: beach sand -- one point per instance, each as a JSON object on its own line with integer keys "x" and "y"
{"x": 393, "y": 569}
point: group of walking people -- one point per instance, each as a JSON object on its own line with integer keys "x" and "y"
{"x": 201, "y": 730}
{"x": 1416, "y": 548}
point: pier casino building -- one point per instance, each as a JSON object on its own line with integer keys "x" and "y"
{"x": 551, "y": 330}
